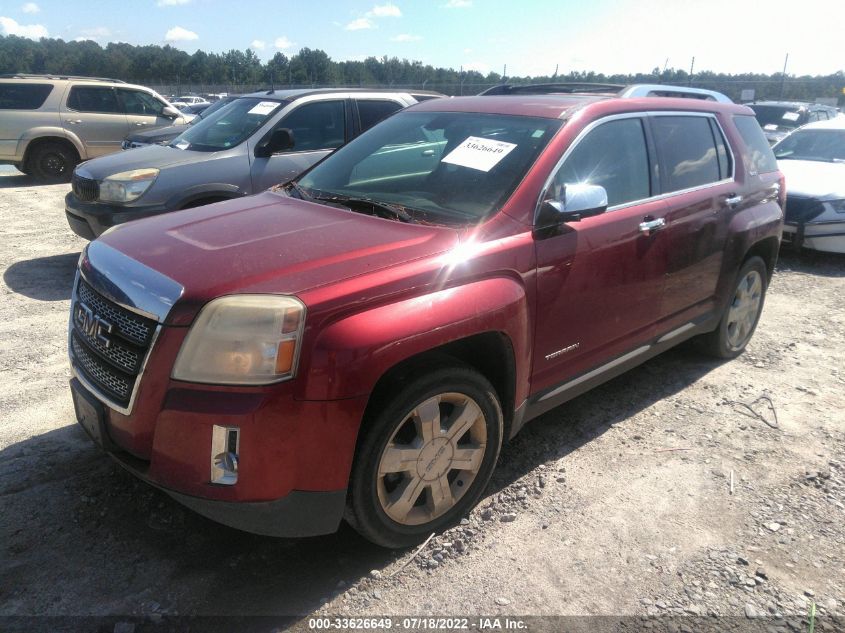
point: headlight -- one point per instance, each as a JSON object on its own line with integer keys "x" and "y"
{"x": 243, "y": 340}
{"x": 127, "y": 185}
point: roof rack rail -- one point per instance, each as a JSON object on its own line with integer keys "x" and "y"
{"x": 626, "y": 92}
{"x": 662, "y": 90}
{"x": 61, "y": 77}
{"x": 553, "y": 88}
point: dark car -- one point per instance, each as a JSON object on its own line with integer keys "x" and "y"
{"x": 779, "y": 118}
{"x": 164, "y": 135}
{"x": 360, "y": 343}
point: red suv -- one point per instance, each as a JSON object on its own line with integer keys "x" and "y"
{"x": 358, "y": 343}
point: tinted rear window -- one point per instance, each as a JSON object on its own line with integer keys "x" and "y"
{"x": 687, "y": 151}
{"x": 23, "y": 96}
{"x": 92, "y": 99}
{"x": 757, "y": 155}
{"x": 372, "y": 111}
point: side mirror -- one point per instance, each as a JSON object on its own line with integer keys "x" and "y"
{"x": 579, "y": 201}
{"x": 278, "y": 140}
{"x": 170, "y": 112}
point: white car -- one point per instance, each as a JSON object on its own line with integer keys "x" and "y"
{"x": 812, "y": 159}
{"x": 189, "y": 100}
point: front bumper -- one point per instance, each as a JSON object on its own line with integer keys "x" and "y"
{"x": 90, "y": 219}
{"x": 825, "y": 236}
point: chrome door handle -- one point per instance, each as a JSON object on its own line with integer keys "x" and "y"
{"x": 733, "y": 201}
{"x": 650, "y": 226}
{"x": 74, "y": 121}
{"x": 428, "y": 152}
{"x": 139, "y": 124}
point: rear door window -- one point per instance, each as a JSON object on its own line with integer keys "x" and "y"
{"x": 371, "y": 111}
{"x": 614, "y": 156}
{"x": 93, "y": 99}
{"x": 687, "y": 152}
{"x": 23, "y": 96}
{"x": 757, "y": 156}
{"x": 315, "y": 126}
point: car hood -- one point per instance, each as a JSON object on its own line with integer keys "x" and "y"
{"x": 815, "y": 179}
{"x": 267, "y": 243}
{"x": 158, "y": 135}
{"x": 159, "y": 156}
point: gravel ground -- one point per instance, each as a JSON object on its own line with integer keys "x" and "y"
{"x": 686, "y": 488}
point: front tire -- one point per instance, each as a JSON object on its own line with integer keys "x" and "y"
{"x": 426, "y": 457}
{"x": 741, "y": 315}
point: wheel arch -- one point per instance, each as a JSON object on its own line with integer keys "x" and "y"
{"x": 767, "y": 250}
{"x": 35, "y": 143}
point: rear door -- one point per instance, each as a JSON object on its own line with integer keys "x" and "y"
{"x": 697, "y": 182}
{"x": 96, "y": 117}
{"x": 143, "y": 110}
{"x": 319, "y": 127}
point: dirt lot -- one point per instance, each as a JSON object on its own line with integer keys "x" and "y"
{"x": 618, "y": 503}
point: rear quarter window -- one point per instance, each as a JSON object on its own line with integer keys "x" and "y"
{"x": 23, "y": 96}
{"x": 756, "y": 155}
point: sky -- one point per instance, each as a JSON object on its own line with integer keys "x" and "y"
{"x": 531, "y": 37}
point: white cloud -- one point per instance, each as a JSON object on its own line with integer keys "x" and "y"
{"x": 171, "y": 3}
{"x": 406, "y": 37}
{"x": 385, "y": 11}
{"x": 30, "y": 7}
{"x": 359, "y": 24}
{"x": 283, "y": 42}
{"x": 458, "y": 4}
{"x": 178, "y": 34}
{"x": 95, "y": 34}
{"x": 258, "y": 44}
{"x": 8, "y": 26}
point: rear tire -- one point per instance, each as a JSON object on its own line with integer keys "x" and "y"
{"x": 52, "y": 162}
{"x": 425, "y": 457}
{"x": 741, "y": 315}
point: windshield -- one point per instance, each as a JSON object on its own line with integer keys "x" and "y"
{"x": 822, "y": 145}
{"x": 214, "y": 107}
{"x": 784, "y": 117}
{"x": 451, "y": 167}
{"x": 227, "y": 127}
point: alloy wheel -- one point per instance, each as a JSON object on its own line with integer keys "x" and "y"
{"x": 431, "y": 459}
{"x": 744, "y": 310}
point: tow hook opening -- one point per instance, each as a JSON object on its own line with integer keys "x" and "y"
{"x": 225, "y": 455}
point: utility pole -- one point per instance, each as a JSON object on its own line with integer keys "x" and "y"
{"x": 504, "y": 73}
{"x": 462, "y": 80}
{"x": 691, "y": 68}
{"x": 556, "y": 67}
{"x": 783, "y": 75}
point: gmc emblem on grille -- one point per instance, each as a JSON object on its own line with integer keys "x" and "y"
{"x": 92, "y": 325}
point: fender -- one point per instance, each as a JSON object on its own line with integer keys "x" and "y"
{"x": 760, "y": 220}
{"x": 217, "y": 189}
{"x": 349, "y": 356}
{"x": 35, "y": 133}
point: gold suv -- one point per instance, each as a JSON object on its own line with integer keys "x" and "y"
{"x": 50, "y": 123}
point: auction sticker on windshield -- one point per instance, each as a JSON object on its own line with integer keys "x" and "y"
{"x": 264, "y": 108}
{"x": 479, "y": 153}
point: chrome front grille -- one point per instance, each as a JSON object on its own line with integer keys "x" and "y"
{"x": 108, "y": 344}
{"x": 85, "y": 189}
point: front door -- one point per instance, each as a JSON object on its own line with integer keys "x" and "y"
{"x": 318, "y": 128}
{"x": 599, "y": 280}
{"x": 143, "y": 110}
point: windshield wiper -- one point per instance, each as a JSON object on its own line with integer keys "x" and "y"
{"x": 393, "y": 210}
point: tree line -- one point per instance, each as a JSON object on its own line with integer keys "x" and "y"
{"x": 235, "y": 69}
